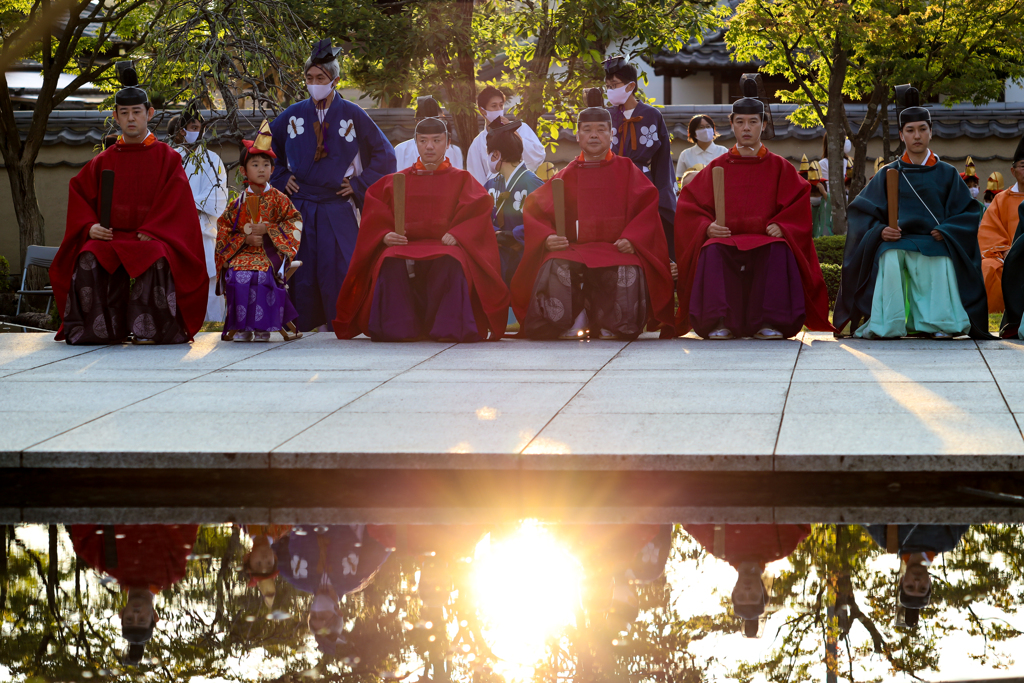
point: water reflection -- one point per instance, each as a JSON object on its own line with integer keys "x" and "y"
{"x": 524, "y": 602}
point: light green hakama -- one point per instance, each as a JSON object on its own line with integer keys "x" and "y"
{"x": 915, "y": 293}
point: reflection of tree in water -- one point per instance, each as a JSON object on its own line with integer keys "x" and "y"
{"x": 837, "y": 566}
{"x": 58, "y": 619}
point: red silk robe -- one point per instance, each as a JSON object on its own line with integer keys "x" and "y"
{"x": 759, "y": 191}
{"x": 608, "y": 201}
{"x": 446, "y": 201}
{"x": 150, "y": 556}
{"x": 151, "y": 196}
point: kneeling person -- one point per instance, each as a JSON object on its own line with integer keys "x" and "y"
{"x": 923, "y": 277}
{"x": 758, "y": 275}
{"x": 253, "y": 261}
{"x": 153, "y": 238}
{"x": 610, "y": 273}
{"x": 442, "y": 278}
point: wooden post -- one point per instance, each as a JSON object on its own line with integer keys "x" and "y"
{"x": 718, "y": 180}
{"x": 399, "y": 188}
{"x": 892, "y": 192}
{"x": 106, "y": 197}
{"x": 558, "y": 192}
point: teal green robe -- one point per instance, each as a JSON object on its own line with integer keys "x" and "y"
{"x": 958, "y": 216}
{"x": 1013, "y": 283}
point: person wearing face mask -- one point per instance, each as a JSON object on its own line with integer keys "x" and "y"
{"x": 701, "y": 132}
{"x": 510, "y": 185}
{"x": 998, "y": 226}
{"x": 329, "y": 562}
{"x": 639, "y": 133}
{"x": 609, "y": 275}
{"x": 406, "y": 152}
{"x": 758, "y": 274}
{"x": 329, "y": 152}
{"x": 441, "y": 278}
{"x": 922, "y": 277}
{"x": 209, "y": 183}
{"x": 970, "y": 176}
{"x": 491, "y": 102}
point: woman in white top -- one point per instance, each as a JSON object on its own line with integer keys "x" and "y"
{"x": 701, "y": 131}
{"x": 209, "y": 183}
{"x": 405, "y": 152}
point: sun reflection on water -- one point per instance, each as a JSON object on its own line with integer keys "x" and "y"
{"x": 527, "y": 588}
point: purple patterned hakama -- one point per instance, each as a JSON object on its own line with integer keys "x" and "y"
{"x": 256, "y": 302}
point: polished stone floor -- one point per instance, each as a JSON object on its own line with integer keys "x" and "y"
{"x": 808, "y": 404}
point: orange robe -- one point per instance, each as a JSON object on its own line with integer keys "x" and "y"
{"x": 995, "y": 236}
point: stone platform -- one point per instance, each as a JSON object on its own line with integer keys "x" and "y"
{"x": 813, "y": 404}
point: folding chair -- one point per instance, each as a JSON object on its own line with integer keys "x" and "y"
{"x": 41, "y": 257}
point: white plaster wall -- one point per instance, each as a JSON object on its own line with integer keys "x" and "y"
{"x": 696, "y": 89}
{"x": 1014, "y": 91}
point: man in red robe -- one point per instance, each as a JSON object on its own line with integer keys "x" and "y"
{"x": 440, "y": 280}
{"x": 610, "y": 274}
{"x": 154, "y": 236}
{"x": 757, "y": 275}
{"x": 145, "y": 559}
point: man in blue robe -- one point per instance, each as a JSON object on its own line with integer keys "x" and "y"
{"x": 924, "y": 276}
{"x": 639, "y": 133}
{"x": 329, "y": 152}
{"x": 510, "y": 185}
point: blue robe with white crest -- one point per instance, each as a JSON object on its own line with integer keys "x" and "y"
{"x": 355, "y": 148}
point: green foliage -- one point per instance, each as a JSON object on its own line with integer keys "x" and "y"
{"x": 5, "y": 275}
{"x": 830, "y": 249}
{"x": 833, "y": 276}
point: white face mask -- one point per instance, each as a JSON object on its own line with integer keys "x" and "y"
{"x": 319, "y": 92}
{"x": 323, "y": 603}
{"x": 705, "y": 134}
{"x": 492, "y": 115}
{"x": 191, "y": 136}
{"x": 974, "y": 191}
{"x": 493, "y": 165}
{"x": 618, "y": 96}
{"x": 847, "y": 146}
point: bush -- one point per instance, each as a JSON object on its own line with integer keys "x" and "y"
{"x": 5, "y": 275}
{"x": 830, "y": 249}
{"x": 833, "y": 275}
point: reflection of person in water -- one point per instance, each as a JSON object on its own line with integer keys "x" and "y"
{"x": 749, "y": 548}
{"x": 329, "y": 562}
{"x": 144, "y": 559}
{"x": 260, "y": 564}
{"x": 917, "y": 545}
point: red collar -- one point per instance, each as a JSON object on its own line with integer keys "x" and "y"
{"x": 930, "y": 161}
{"x": 150, "y": 139}
{"x": 607, "y": 157}
{"x": 761, "y": 153}
{"x": 420, "y": 168}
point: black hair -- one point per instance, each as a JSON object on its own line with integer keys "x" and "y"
{"x": 691, "y": 129}
{"x": 510, "y": 145}
{"x": 594, "y": 97}
{"x": 621, "y": 69}
{"x": 764, "y": 117}
{"x": 488, "y": 94}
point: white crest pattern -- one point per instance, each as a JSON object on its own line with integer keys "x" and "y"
{"x": 299, "y": 567}
{"x": 520, "y": 197}
{"x": 347, "y": 129}
{"x": 648, "y": 135}
{"x": 295, "y": 126}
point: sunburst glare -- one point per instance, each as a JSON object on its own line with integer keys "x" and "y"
{"x": 527, "y": 587}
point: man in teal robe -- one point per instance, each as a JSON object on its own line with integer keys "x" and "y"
{"x": 923, "y": 277}
{"x": 1013, "y": 284}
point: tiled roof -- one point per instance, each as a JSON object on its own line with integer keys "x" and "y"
{"x": 709, "y": 53}
{"x": 998, "y": 119}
